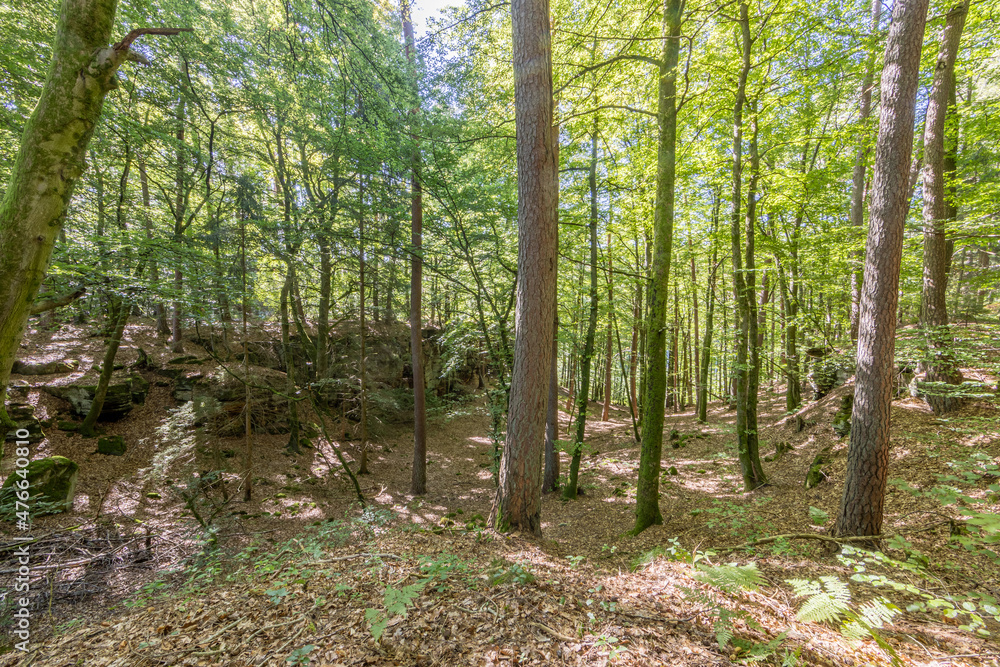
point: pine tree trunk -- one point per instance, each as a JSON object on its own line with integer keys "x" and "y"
{"x": 868, "y": 453}
{"x": 518, "y": 502}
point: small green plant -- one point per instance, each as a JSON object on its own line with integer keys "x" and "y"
{"x": 817, "y": 516}
{"x": 613, "y": 645}
{"x": 574, "y": 561}
{"x": 440, "y": 568}
{"x": 502, "y": 572}
{"x": 396, "y": 602}
{"x": 300, "y": 656}
{"x": 277, "y": 595}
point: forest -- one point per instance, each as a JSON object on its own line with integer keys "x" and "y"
{"x": 527, "y": 332}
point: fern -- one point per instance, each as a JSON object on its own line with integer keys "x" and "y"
{"x": 731, "y": 578}
{"x": 829, "y": 601}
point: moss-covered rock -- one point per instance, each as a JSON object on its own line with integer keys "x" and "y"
{"x": 140, "y": 389}
{"x": 117, "y": 403}
{"x": 842, "y": 420}
{"x": 23, "y": 416}
{"x": 816, "y": 474}
{"x": 51, "y": 480}
{"x": 112, "y": 445}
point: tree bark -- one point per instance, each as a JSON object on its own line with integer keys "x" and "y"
{"x": 743, "y": 292}
{"x": 518, "y": 502}
{"x": 939, "y": 211}
{"x": 49, "y": 161}
{"x": 647, "y": 509}
{"x": 607, "y": 348}
{"x": 586, "y": 360}
{"x": 868, "y": 453}
{"x": 418, "y": 481}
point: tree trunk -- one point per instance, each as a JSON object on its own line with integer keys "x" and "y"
{"x": 292, "y": 446}
{"x": 582, "y": 399}
{"x": 745, "y": 331}
{"x": 49, "y": 161}
{"x": 121, "y": 313}
{"x": 868, "y": 453}
{"x": 179, "y": 211}
{"x": 518, "y": 502}
{"x": 861, "y": 163}
{"x": 647, "y": 509}
{"x": 607, "y": 348}
{"x": 550, "y": 483}
{"x": 418, "y": 481}
{"x": 939, "y": 211}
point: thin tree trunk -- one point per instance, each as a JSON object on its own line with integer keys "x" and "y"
{"x": 647, "y": 510}
{"x": 607, "y": 348}
{"x": 939, "y": 212}
{"x": 550, "y": 483}
{"x": 107, "y": 368}
{"x": 582, "y": 400}
{"x": 868, "y": 453}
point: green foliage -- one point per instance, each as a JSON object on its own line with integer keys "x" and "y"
{"x": 501, "y": 572}
{"x": 396, "y": 602}
{"x": 300, "y": 656}
{"x": 828, "y": 600}
{"x": 817, "y": 516}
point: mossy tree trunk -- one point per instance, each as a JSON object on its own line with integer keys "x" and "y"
{"x": 121, "y": 311}
{"x": 654, "y": 384}
{"x": 50, "y": 159}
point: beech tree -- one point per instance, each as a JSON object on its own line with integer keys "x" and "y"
{"x": 939, "y": 211}
{"x": 51, "y": 158}
{"x": 868, "y": 453}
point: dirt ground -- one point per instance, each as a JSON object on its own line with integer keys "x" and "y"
{"x": 570, "y": 598}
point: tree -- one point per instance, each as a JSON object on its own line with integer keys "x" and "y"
{"x": 518, "y": 501}
{"x": 647, "y": 507}
{"x": 868, "y": 453}
{"x": 939, "y": 211}
{"x": 50, "y": 159}
{"x": 418, "y": 482}
{"x": 747, "y": 356}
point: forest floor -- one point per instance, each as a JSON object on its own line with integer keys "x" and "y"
{"x": 303, "y": 574}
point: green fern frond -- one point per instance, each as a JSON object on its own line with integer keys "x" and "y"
{"x": 731, "y": 578}
{"x": 827, "y": 600}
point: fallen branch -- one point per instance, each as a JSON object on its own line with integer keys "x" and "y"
{"x": 824, "y": 538}
{"x": 352, "y": 557}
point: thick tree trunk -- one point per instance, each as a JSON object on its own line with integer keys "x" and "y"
{"x": 519, "y": 497}
{"x": 586, "y": 360}
{"x": 861, "y": 163}
{"x": 49, "y": 161}
{"x": 868, "y": 453}
{"x": 939, "y": 211}
{"x": 647, "y": 509}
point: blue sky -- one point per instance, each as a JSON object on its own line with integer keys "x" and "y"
{"x": 424, "y": 9}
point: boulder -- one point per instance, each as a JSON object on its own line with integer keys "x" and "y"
{"x": 140, "y": 389}
{"x": 112, "y": 445}
{"x": 51, "y": 480}
{"x": 44, "y": 368}
{"x": 118, "y": 402}
{"x": 23, "y": 416}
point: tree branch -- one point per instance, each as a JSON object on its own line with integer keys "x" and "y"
{"x": 58, "y": 302}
